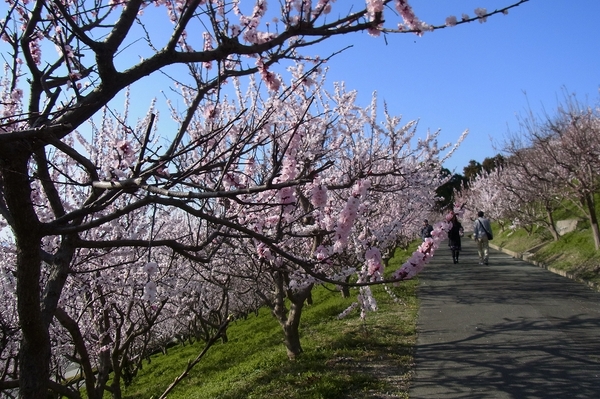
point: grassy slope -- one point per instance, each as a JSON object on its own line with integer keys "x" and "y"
{"x": 347, "y": 358}
{"x": 573, "y": 253}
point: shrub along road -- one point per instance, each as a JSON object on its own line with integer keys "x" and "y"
{"x": 506, "y": 330}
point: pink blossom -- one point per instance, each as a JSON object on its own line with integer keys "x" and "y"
{"x": 374, "y": 31}
{"x": 480, "y": 12}
{"x": 264, "y": 252}
{"x": 36, "y": 52}
{"x": 207, "y": 47}
{"x": 374, "y": 10}
{"x": 124, "y": 148}
{"x": 321, "y": 253}
{"x": 150, "y": 268}
{"x": 231, "y": 180}
{"x": 211, "y": 111}
{"x": 149, "y": 291}
{"x": 374, "y": 261}
{"x": 16, "y": 95}
{"x": 451, "y": 21}
{"x": 273, "y": 83}
{"x": 318, "y": 196}
{"x": 407, "y": 13}
{"x": 323, "y": 6}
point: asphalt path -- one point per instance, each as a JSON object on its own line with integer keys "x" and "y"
{"x": 506, "y": 330}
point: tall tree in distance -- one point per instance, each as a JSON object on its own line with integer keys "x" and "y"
{"x": 489, "y": 164}
{"x": 454, "y": 182}
{"x": 472, "y": 170}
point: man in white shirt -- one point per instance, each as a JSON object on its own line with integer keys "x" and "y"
{"x": 482, "y": 233}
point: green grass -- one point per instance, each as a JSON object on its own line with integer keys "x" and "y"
{"x": 573, "y": 253}
{"x": 344, "y": 358}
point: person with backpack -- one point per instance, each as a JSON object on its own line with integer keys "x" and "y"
{"x": 482, "y": 233}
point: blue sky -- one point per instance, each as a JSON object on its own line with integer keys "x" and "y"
{"x": 473, "y": 76}
{"x": 478, "y": 76}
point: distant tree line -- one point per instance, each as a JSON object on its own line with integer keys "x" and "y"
{"x": 455, "y": 182}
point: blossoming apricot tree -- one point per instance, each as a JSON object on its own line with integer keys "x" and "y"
{"x": 66, "y": 196}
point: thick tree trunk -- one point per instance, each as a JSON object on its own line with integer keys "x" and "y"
{"x": 34, "y": 354}
{"x": 291, "y": 333}
{"x": 291, "y": 326}
{"x": 289, "y": 320}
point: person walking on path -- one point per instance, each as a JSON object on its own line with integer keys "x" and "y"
{"x": 482, "y": 233}
{"x": 454, "y": 234}
{"x": 426, "y": 230}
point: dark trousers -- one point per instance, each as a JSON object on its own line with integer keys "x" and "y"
{"x": 455, "y": 253}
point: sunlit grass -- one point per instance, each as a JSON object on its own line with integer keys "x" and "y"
{"x": 344, "y": 358}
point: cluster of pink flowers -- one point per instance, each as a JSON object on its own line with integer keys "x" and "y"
{"x": 150, "y": 268}
{"x": 35, "y": 51}
{"x": 374, "y": 11}
{"x": 207, "y": 47}
{"x": 321, "y": 253}
{"x": 287, "y": 195}
{"x": 481, "y": 12}
{"x": 126, "y": 155}
{"x": 374, "y": 261}
{"x": 318, "y": 195}
{"x": 150, "y": 289}
{"x": 264, "y": 252}
{"x": 408, "y": 15}
{"x": 211, "y": 111}
{"x": 323, "y": 7}
{"x": 272, "y": 81}
{"x": 451, "y": 21}
{"x": 345, "y": 223}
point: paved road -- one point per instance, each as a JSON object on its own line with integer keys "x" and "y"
{"x": 507, "y": 330}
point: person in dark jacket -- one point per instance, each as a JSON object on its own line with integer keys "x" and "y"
{"x": 426, "y": 230}
{"x": 454, "y": 234}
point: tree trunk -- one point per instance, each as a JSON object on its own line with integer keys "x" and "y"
{"x": 73, "y": 328}
{"x": 291, "y": 333}
{"x": 289, "y": 320}
{"x": 591, "y": 207}
{"x": 552, "y": 225}
{"x": 291, "y": 326}
{"x": 34, "y": 352}
{"x": 346, "y": 289}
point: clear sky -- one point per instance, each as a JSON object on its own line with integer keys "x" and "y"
{"x": 478, "y": 76}
{"x": 473, "y": 76}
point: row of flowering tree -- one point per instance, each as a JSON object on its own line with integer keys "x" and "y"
{"x": 552, "y": 162}
{"x": 119, "y": 235}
